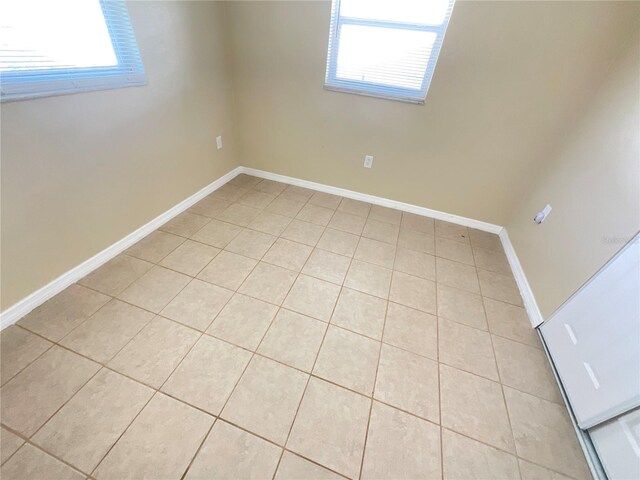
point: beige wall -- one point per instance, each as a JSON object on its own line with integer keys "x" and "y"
{"x": 592, "y": 180}
{"x": 79, "y": 172}
{"x": 509, "y": 76}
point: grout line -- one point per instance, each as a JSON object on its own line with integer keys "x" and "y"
{"x": 439, "y": 378}
{"x": 504, "y": 399}
{"x": 375, "y": 378}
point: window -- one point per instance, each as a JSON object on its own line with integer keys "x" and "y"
{"x": 66, "y": 46}
{"x": 385, "y": 48}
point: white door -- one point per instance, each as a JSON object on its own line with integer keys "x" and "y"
{"x": 594, "y": 341}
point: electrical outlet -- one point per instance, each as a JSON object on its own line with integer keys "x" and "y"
{"x": 219, "y": 142}
{"x": 368, "y": 161}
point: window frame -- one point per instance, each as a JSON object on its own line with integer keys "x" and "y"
{"x": 333, "y": 83}
{"x": 129, "y": 71}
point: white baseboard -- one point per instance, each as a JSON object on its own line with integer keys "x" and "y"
{"x": 384, "y": 202}
{"x": 24, "y": 306}
{"x": 14, "y": 313}
{"x": 530, "y": 304}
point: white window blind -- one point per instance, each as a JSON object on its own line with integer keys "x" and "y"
{"x": 385, "y": 48}
{"x": 66, "y": 46}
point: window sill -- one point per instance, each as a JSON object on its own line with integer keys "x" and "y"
{"x": 27, "y": 91}
{"x": 381, "y": 96}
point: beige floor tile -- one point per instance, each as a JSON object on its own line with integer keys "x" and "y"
{"x": 293, "y": 339}
{"x": 256, "y": 199}
{"x": 266, "y": 399}
{"x": 400, "y": 446}
{"x": 454, "y": 250}
{"x": 228, "y": 270}
{"x": 456, "y": 274}
{"x": 487, "y": 240}
{"x": 526, "y": 369}
{"x": 464, "y": 458}
{"x": 237, "y": 214}
{"x": 419, "y": 241}
{"x": 155, "y": 352}
{"x": 385, "y": 214}
{"x": 461, "y": 306}
{"x": 285, "y": 207}
{"x": 418, "y": 223}
{"x": 303, "y": 232}
{"x": 510, "y": 322}
{"x": 197, "y": 305}
{"x": 360, "y": 313}
{"x": 210, "y": 206}
{"x": 330, "y": 427}
{"x": 287, "y": 254}
{"x": 9, "y": 444}
{"x": 269, "y": 283}
{"x": 348, "y": 359}
{"x": 32, "y": 396}
{"x": 452, "y": 231}
{"x": 64, "y": 312}
{"x": 18, "y": 348}
{"x": 416, "y": 263}
{"x": 217, "y": 234}
{"x": 313, "y": 297}
{"x": 354, "y": 207}
{"x": 368, "y": 278}
{"x": 325, "y": 200}
{"x": 499, "y": 287}
{"x": 544, "y": 434}
{"x": 155, "y": 246}
{"x": 466, "y": 348}
{"x": 245, "y": 181}
{"x": 346, "y": 222}
{"x": 32, "y": 463}
{"x": 230, "y": 453}
{"x": 493, "y": 260}
{"x": 116, "y": 275}
{"x": 335, "y": 241}
{"x": 315, "y": 214}
{"x": 409, "y": 382}
{"x": 382, "y": 231}
{"x": 207, "y": 375}
{"x": 293, "y": 467}
{"x": 474, "y": 406}
{"x": 271, "y": 223}
{"x": 230, "y": 192}
{"x": 155, "y": 289}
{"x": 107, "y": 331}
{"x": 302, "y": 192}
{"x": 531, "y": 471}
{"x": 185, "y": 224}
{"x": 243, "y": 321}
{"x": 327, "y": 266}
{"x": 413, "y": 292}
{"x": 270, "y": 186}
{"x": 251, "y": 244}
{"x": 378, "y": 253}
{"x": 411, "y": 330}
{"x": 169, "y": 433}
{"x": 84, "y": 430}
{"x": 190, "y": 258}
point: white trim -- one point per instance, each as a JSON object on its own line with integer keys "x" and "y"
{"x": 12, "y": 314}
{"x": 384, "y": 202}
{"x": 530, "y": 304}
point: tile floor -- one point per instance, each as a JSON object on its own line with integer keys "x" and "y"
{"x": 276, "y": 332}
